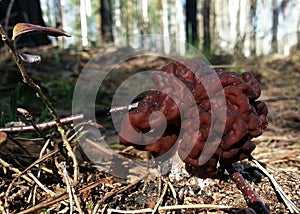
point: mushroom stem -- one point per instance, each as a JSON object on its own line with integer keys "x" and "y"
{"x": 253, "y": 200}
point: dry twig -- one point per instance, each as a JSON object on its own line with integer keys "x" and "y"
{"x": 108, "y": 196}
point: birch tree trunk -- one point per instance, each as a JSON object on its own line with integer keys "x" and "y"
{"x": 83, "y": 23}
{"x": 165, "y": 20}
{"x": 145, "y": 17}
{"x": 225, "y": 22}
{"x": 180, "y": 34}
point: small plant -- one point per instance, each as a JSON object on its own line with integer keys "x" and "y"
{"x": 20, "y": 58}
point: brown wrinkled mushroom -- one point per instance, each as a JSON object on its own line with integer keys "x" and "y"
{"x": 245, "y": 116}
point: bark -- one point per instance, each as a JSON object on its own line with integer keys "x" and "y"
{"x": 25, "y": 11}
{"x": 213, "y": 25}
{"x": 129, "y": 19}
{"x": 191, "y": 22}
{"x": 59, "y": 22}
{"x": 83, "y": 22}
{"x": 165, "y": 19}
{"x": 298, "y": 35}
{"x": 206, "y": 26}
{"x": 274, "y": 43}
{"x": 106, "y": 21}
{"x": 253, "y": 25}
{"x": 238, "y": 42}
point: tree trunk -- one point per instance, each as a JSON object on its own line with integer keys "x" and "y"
{"x": 274, "y": 43}
{"x": 238, "y": 40}
{"x": 59, "y": 22}
{"x": 180, "y": 46}
{"x": 83, "y": 24}
{"x": 253, "y": 25}
{"x": 145, "y": 16}
{"x": 206, "y": 26}
{"x": 165, "y": 20}
{"x": 106, "y": 21}
{"x": 28, "y": 11}
{"x": 213, "y": 25}
{"x": 129, "y": 19}
{"x": 298, "y": 35}
{"x": 191, "y": 22}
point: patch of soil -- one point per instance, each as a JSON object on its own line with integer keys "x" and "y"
{"x": 278, "y": 148}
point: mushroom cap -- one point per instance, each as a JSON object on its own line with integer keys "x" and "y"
{"x": 180, "y": 83}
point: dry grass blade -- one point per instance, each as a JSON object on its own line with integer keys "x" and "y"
{"x": 40, "y": 184}
{"x": 60, "y": 198}
{"x": 110, "y": 195}
{"x": 20, "y": 174}
{"x": 287, "y": 201}
{"x": 161, "y": 198}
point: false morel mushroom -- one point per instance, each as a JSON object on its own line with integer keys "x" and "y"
{"x": 181, "y": 105}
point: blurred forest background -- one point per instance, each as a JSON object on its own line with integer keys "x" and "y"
{"x": 238, "y": 27}
{"x": 260, "y": 36}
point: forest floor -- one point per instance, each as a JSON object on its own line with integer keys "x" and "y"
{"x": 31, "y": 184}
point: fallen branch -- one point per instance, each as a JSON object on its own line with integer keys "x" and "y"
{"x": 43, "y": 126}
{"x": 66, "y": 120}
{"x": 176, "y": 207}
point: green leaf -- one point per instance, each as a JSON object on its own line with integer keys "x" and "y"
{"x": 23, "y": 28}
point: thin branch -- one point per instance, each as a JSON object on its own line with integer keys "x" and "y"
{"x": 176, "y": 207}
{"x": 161, "y": 198}
{"x": 110, "y": 195}
{"x": 44, "y": 125}
{"x": 66, "y": 120}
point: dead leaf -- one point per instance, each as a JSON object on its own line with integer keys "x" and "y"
{"x": 3, "y": 137}
{"x": 23, "y": 28}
